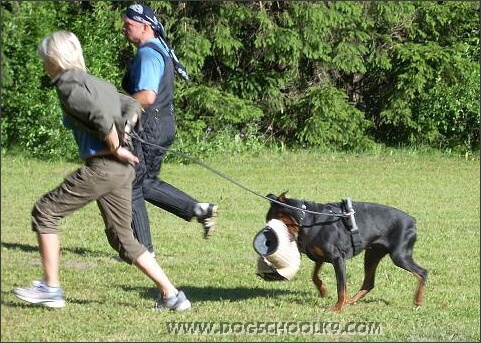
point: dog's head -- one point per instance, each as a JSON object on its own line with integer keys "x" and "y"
{"x": 291, "y": 214}
{"x": 276, "y": 243}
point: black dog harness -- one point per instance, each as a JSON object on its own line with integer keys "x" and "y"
{"x": 348, "y": 220}
{"x": 351, "y": 225}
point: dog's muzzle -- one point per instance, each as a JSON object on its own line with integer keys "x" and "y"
{"x": 279, "y": 257}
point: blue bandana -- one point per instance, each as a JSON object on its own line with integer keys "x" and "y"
{"x": 144, "y": 14}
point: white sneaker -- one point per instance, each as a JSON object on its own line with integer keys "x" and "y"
{"x": 206, "y": 215}
{"x": 40, "y": 293}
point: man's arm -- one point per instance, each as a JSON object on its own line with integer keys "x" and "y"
{"x": 145, "y": 97}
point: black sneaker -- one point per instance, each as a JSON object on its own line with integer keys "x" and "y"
{"x": 206, "y": 215}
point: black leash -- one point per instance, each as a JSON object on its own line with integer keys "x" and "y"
{"x": 134, "y": 135}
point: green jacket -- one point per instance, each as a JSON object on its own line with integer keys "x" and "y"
{"x": 92, "y": 103}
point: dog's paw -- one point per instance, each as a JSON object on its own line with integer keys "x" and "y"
{"x": 336, "y": 308}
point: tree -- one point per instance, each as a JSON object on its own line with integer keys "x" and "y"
{"x": 330, "y": 75}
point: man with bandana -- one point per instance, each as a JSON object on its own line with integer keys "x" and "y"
{"x": 150, "y": 80}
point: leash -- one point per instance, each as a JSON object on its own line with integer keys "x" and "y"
{"x": 134, "y": 135}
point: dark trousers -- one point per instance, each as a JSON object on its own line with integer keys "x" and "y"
{"x": 158, "y": 130}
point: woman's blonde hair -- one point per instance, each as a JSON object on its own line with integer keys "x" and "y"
{"x": 62, "y": 48}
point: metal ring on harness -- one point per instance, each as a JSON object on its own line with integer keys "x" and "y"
{"x": 279, "y": 257}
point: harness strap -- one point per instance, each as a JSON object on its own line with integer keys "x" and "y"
{"x": 352, "y": 226}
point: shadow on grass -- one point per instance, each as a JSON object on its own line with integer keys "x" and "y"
{"x": 216, "y": 293}
{"x": 73, "y": 250}
{"x": 194, "y": 293}
{"x": 374, "y": 301}
{"x": 18, "y": 303}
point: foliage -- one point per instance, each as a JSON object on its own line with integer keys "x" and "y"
{"x": 429, "y": 91}
{"x": 323, "y": 74}
{"x": 322, "y": 117}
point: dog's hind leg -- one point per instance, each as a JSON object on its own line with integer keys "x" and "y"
{"x": 372, "y": 257}
{"x": 317, "y": 281}
{"x": 419, "y": 272}
{"x": 403, "y": 258}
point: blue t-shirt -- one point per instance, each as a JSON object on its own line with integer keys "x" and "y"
{"x": 147, "y": 68}
{"x": 88, "y": 144}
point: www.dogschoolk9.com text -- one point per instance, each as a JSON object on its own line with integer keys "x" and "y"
{"x": 274, "y": 328}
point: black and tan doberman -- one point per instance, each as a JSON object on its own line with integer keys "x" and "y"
{"x": 326, "y": 233}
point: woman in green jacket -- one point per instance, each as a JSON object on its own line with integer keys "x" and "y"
{"x": 91, "y": 107}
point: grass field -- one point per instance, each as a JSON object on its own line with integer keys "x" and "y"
{"x": 112, "y": 301}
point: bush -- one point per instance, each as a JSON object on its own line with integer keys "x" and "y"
{"x": 328, "y": 75}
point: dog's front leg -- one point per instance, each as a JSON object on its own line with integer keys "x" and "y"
{"x": 317, "y": 281}
{"x": 340, "y": 268}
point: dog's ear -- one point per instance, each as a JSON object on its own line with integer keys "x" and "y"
{"x": 282, "y": 197}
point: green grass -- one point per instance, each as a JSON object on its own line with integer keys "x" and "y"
{"x": 111, "y": 301}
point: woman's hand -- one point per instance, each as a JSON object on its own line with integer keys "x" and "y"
{"x": 125, "y": 155}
